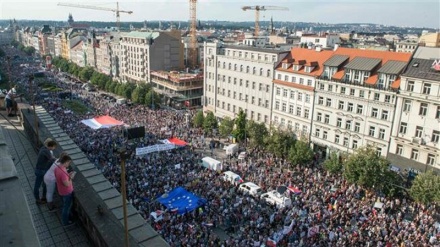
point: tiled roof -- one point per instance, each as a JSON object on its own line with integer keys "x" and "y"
{"x": 363, "y": 63}
{"x": 392, "y": 67}
{"x": 372, "y": 79}
{"x": 396, "y": 84}
{"x": 306, "y": 56}
{"x": 423, "y": 70}
{"x": 336, "y": 60}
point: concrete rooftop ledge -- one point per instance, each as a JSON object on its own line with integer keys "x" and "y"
{"x": 7, "y": 166}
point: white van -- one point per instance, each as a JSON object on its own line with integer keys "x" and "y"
{"x": 232, "y": 177}
{"x": 277, "y": 199}
{"x": 250, "y": 188}
{"x": 232, "y": 149}
{"x": 212, "y": 164}
{"x": 121, "y": 101}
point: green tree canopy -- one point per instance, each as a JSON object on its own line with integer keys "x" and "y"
{"x": 209, "y": 123}
{"x": 226, "y": 127}
{"x": 198, "y": 119}
{"x": 426, "y": 188}
{"x": 300, "y": 153}
{"x": 279, "y": 142}
{"x": 239, "y": 131}
{"x": 333, "y": 164}
{"x": 365, "y": 168}
{"x": 86, "y": 73}
{"x": 257, "y": 133}
{"x": 152, "y": 99}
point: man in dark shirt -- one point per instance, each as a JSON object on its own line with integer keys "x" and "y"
{"x": 44, "y": 161}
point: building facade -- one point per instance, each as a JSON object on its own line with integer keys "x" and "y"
{"x": 416, "y": 129}
{"x": 327, "y": 40}
{"x": 239, "y": 77}
{"x": 294, "y": 85}
{"x": 355, "y": 100}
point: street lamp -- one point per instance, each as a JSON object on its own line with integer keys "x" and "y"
{"x": 31, "y": 91}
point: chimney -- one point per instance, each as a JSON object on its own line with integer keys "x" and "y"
{"x": 336, "y": 47}
{"x": 318, "y": 48}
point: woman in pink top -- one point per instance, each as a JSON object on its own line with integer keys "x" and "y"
{"x": 65, "y": 187}
{"x": 49, "y": 180}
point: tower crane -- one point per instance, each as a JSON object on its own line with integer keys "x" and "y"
{"x": 257, "y": 9}
{"x": 117, "y": 10}
{"x": 192, "y": 58}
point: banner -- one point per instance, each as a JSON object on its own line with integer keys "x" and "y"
{"x": 154, "y": 148}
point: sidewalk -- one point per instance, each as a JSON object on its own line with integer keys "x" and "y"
{"x": 48, "y": 227}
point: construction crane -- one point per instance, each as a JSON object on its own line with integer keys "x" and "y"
{"x": 117, "y": 11}
{"x": 257, "y": 9}
{"x": 192, "y": 58}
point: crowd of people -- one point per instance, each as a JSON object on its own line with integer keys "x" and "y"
{"x": 328, "y": 211}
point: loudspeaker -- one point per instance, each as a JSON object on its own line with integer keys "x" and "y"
{"x": 133, "y": 133}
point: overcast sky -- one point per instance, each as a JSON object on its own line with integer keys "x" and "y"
{"x": 418, "y": 13}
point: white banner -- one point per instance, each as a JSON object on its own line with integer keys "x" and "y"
{"x": 154, "y": 148}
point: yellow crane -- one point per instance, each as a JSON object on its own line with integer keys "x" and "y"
{"x": 192, "y": 58}
{"x": 117, "y": 10}
{"x": 257, "y": 9}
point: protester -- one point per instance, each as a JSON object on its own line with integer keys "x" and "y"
{"x": 50, "y": 181}
{"x": 44, "y": 160}
{"x": 65, "y": 188}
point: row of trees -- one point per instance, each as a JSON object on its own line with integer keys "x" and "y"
{"x": 369, "y": 170}
{"x": 29, "y": 50}
{"x": 281, "y": 144}
{"x": 141, "y": 93}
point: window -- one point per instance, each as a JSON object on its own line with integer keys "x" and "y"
{"x": 372, "y": 131}
{"x": 330, "y": 88}
{"x": 326, "y": 118}
{"x": 337, "y": 139}
{"x": 309, "y": 82}
{"x": 286, "y": 78}
{"x": 414, "y": 154}
{"x": 378, "y": 151}
{"x": 406, "y": 105}
{"x": 419, "y": 131}
{"x": 399, "y": 149}
{"x": 342, "y": 90}
{"x": 435, "y": 136}
{"x": 341, "y": 105}
{"x": 296, "y": 126}
{"x": 319, "y": 117}
{"x": 427, "y": 88}
{"x": 284, "y": 107}
{"x": 321, "y": 86}
{"x": 291, "y": 109}
{"x": 284, "y": 92}
{"x": 360, "y": 109}
{"x": 410, "y": 86}
{"x": 339, "y": 122}
{"x": 229, "y": 93}
{"x": 387, "y": 98}
{"x": 376, "y": 96}
{"x": 278, "y": 91}
{"x": 437, "y": 114}
{"x": 430, "y": 160}
{"x": 423, "y": 109}
{"x": 352, "y": 91}
{"x": 239, "y": 96}
{"x": 324, "y": 135}
{"x": 277, "y": 105}
{"x": 317, "y": 132}
{"x": 382, "y": 134}
{"x": 267, "y": 104}
{"x": 260, "y": 87}
{"x": 298, "y": 111}
{"x": 354, "y": 144}
{"x": 260, "y": 101}
{"x": 384, "y": 115}
{"x": 301, "y": 81}
{"x": 235, "y": 81}
{"x": 275, "y": 119}
{"x": 350, "y": 107}
{"x": 261, "y": 72}
{"x": 403, "y": 126}
{"x": 357, "y": 127}
{"x": 292, "y": 94}
{"x": 307, "y": 98}
{"x": 320, "y": 100}
{"x": 345, "y": 141}
{"x": 241, "y": 68}
{"x": 361, "y": 94}
{"x": 348, "y": 124}
{"x": 253, "y": 85}
{"x": 247, "y": 69}
{"x": 293, "y": 79}
{"x": 241, "y": 82}
{"x": 289, "y": 125}
{"x": 253, "y": 100}
{"x": 374, "y": 112}
{"x": 254, "y": 70}
{"x": 268, "y": 73}
{"x": 306, "y": 113}
{"x": 247, "y": 84}
{"x": 283, "y": 121}
{"x": 328, "y": 102}
{"x": 300, "y": 96}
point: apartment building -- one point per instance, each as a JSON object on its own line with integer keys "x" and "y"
{"x": 78, "y": 51}
{"x": 355, "y": 100}
{"x": 239, "y": 77}
{"x": 406, "y": 46}
{"x": 416, "y": 129}
{"x": 326, "y": 40}
{"x": 143, "y": 52}
{"x": 294, "y": 85}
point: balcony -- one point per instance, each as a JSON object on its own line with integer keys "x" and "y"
{"x": 418, "y": 140}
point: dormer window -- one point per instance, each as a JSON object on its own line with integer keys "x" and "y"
{"x": 286, "y": 65}
{"x": 309, "y": 69}
{"x": 296, "y": 67}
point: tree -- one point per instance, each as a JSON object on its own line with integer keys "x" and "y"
{"x": 279, "y": 142}
{"x": 300, "y": 153}
{"x": 152, "y": 99}
{"x": 426, "y": 188}
{"x": 209, "y": 123}
{"x": 226, "y": 127}
{"x": 365, "y": 168}
{"x": 257, "y": 133}
{"x": 135, "y": 96}
{"x": 198, "y": 119}
{"x": 333, "y": 164}
{"x": 86, "y": 73}
{"x": 239, "y": 131}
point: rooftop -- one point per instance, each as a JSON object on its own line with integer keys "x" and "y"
{"x": 257, "y": 49}
{"x": 142, "y": 35}
{"x": 178, "y": 77}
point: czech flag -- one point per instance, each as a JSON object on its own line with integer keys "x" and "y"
{"x": 294, "y": 190}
